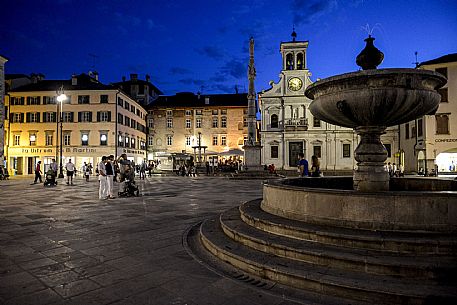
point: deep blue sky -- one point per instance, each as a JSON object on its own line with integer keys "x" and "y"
{"x": 191, "y": 45}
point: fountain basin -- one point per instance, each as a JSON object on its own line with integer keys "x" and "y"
{"x": 330, "y": 201}
{"x": 383, "y": 97}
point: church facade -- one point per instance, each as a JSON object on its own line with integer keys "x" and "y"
{"x": 288, "y": 127}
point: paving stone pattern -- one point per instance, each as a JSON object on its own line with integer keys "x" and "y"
{"x": 61, "y": 245}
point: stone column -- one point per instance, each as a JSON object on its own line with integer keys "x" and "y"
{"x": 371, "y": 155}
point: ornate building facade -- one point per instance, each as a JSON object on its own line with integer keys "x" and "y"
{"x": 288, "y": 127}
{"x": 3, "y": 60}
{"x": 97, "y": 120}
{"x": 429, "y": 143}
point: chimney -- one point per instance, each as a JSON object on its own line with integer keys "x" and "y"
{"x": 95, "y": 73}
{"x": 34, "y": 78}
{"x": 148, "y": 78}
{"x": 133, "y": 76}
{"x": 74, "y": 80}
{"x": 207, "y": 100}
{"x": 123, "y": 78}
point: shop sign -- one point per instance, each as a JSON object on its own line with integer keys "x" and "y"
{"x": 446, "y": 140}
{"x": 80, "y": 150}
{"x": 32, "y": 151}
{"x": 132, "y": 151}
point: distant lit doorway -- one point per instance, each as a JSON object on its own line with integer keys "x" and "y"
{"x": 294, "y": 149}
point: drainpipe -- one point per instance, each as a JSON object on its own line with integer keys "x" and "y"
{"x": 7, "y": 116}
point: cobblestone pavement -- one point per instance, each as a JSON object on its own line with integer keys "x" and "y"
{"x": 61, "y": 245}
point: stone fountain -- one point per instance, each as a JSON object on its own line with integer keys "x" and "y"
{"x": 371, "y": 100}
{"x": 349, "y": 240}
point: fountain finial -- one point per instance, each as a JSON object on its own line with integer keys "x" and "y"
{"x": 370, "y": 57}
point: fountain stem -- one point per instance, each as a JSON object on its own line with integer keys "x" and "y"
{"x": 370, "y": 154}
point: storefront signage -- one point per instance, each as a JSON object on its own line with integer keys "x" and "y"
{"x": 131, "y": 151}
{"x": 36, "y": 150}
{"x": 445, "y": 140}
{"x": 80, "y": 150}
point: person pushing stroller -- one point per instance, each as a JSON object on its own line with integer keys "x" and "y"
{"x": 127, "y": 176}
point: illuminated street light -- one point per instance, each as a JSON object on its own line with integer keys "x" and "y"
{"x": 61, "y": 97}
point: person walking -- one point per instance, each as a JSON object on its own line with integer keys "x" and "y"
{"x": 103, "y": 187}
{"x": 53, "y": 166}
{"x": 109, "y": 167}
{"x": 38, "y": 173}
{"x": 70, "y": 167}
{"x": 302, "y": 165}
{"x": 86, "y": 171}
{"x": 315, "y": 167}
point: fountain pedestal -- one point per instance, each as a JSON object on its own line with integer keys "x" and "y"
{"x": 370, "y": 154}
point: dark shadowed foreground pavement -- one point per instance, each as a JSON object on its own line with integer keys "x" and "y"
{"x": 61, "y": 245}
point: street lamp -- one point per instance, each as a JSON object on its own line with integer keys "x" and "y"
{"x": 61, "y": 97}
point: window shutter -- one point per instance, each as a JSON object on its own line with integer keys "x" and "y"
{"x": 28, "y": 100}
{"x": 45, "y": 117}
{"x": 28, "y": 117}
{"x": 79, "y": 116}
{"x": 98, "y": 116}
{"x": 55, "y": 116}
{"x": 22, "y": 118}
{"x": 39, "y": 100}
{"x": 11, "y": 117}
{"x": 38, "y": 117}
{"x": 90, "y": 116}
{"x": 71, "y": 116}
{"x": 109, "y": 116}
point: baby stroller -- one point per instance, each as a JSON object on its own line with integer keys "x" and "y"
{"x": 130, "y": 188}
{"x": 50, "y": 178}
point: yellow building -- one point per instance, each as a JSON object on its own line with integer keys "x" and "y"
{"x": 96, "y": 120}
{"x": 196, "y": 128}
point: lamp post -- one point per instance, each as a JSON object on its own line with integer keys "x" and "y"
{"x": 61, "y": 97}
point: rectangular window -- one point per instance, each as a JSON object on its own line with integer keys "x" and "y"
{"x": 49, "y": 100}
{"x": 120, "y": 119}
{"x": 126, "y": 121}
{"x": 103, "y": 99}
{"x": 169, "y": 112}
{"x": 223, "y": 111}
{"x": 224, "y": 122}
{"x": 120, "y": 140}
{"x": 49, "y": 139}
{"x": 407, "y": 131}
{"x": 188, "y": 123}
{"x": 133, "y": 124}
{"x": 316, "y": 122}
{"x": 215, "y": 122}
{"x": 187, "y": 140}
{"x": 169, "y": 122}
{"x": 17, "y": 117}
{"x": 198, "y": 123}
{"x": 413, "y": 132}
{"x": 442, "y": 71}
{"x": 126, "y": 139}
{"x": 346, "y": 150}
{"x": 389, "y": 150}
{"x": 223, "y": 140}
{"x": 442, "y": 124}
{"x": 132, "y": 143}
{"x": 245, "y": 122}
{"x": 214, "y": 112}
{"x": 132, "y": 109}
{"x": 32, "y": 139}
{"x": 188, "y": 112}
{"x": 85, "y": 116}
{"x": 83, "y": 99}
{"x": 32, "y": 117}
{"x": 17, "y": 100}
{"x": 120, "y": 101}
{"x": 317, "y": 150}
{"x": 150, "y": 140}
{"x": 198, "y": 111}
{"x": 66, "y": 139}
{"x": 444, "y": 95}
{"x": 33, "y": 100}
{"x": 215, "y": 140}
{"x": 169, "y": 140}
{"x": 103, "y": 138}
{"x": 151, "y": 123}
{"x": 126, "y": 105}
{"x": 67, "y": 116}
{"x": 104, "y": 116}
{"x": 17, "y": 140}
{"x": 420, "y": 128}
{"x": 84, "y": 139}
{"x": 49, "y": 117}
{"x": 274, "y": 151}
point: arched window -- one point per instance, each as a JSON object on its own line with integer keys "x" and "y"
{"x": 274, "y": 121}
{"x": 300, "y": 62}
{"x": 289, "y": 61}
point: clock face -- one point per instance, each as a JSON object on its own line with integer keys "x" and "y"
{"x": 295, "y": 84}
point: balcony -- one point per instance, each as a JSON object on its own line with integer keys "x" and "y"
{"x": 300, "y": 124}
